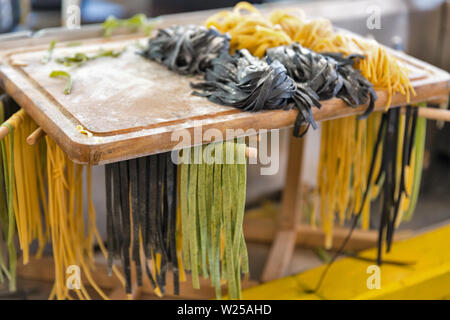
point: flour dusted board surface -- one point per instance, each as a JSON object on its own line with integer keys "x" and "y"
{"x": 135, "y": 107}
{"x": 116, "y": 94}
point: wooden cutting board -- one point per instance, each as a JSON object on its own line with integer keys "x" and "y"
{"x": 115, "y": 95}
{"x": 135, "y": 107}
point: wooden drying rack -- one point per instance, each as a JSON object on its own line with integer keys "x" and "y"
{"x": 46, "y": 106}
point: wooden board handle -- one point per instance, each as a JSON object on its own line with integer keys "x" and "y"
{"x": 432, "y": 113}
{"x": 435, "y": 114}
{"x": 35, "y": 136}
{"x": 3, "y": 132}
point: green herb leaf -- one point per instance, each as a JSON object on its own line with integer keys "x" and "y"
{"x": 49, "y": 54}
{"x": 137, "y": 22}
{"x": 74, "y": 44}
{"x": 80, "y": 58}
{"x": 60, "y": 73}
{"x": 108, "y": 53}
{"x": 77, "y": 58}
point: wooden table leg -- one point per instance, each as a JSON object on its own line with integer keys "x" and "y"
{"x": 284, "y": 244}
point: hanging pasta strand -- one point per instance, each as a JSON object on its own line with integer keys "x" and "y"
{"x": 23, "y": 196}
{"x": 141, "y": 202}
{"x": 54, "y": 214}
{"x": 212, "y": 199}
{"x": 395, "y": 170}
{"x": 343, "y": 171}
{"x": 414, "y": 172}
{"x": 401, "y": 134}
{"x": 29, "y": 193}
{"x": 8, "y": 253}
{"x": 71, "y": 244}
{"x": 8, "y": 219}
{"x": 43, "y": 198}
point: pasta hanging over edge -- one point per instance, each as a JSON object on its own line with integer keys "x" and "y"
{"x": 44, "y": 191}
{"x": 212, "y": 202}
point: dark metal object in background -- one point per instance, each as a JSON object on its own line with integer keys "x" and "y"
{"x": 160, "y": 7}
{"x": 429, "y": 40}
{"x": 9, "y": 15}
{"x": 9, "y": 105}
{"x": 46, "y": 4}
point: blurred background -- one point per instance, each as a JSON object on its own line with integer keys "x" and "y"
{"x": 421, "y": 28}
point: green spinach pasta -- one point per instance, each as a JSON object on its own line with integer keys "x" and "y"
{"x": 212, "y": 202}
